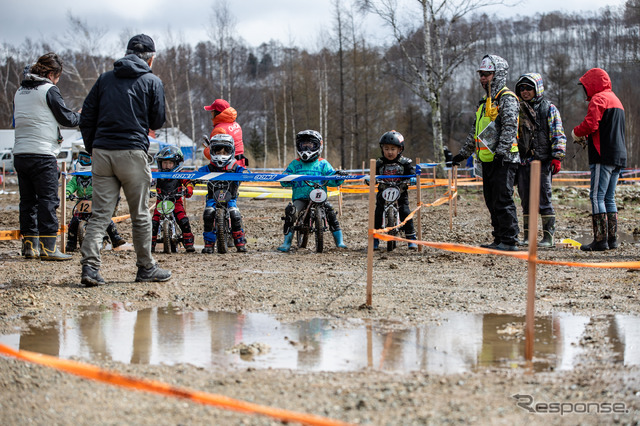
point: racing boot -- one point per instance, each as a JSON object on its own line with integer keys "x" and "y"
{"x": 599, "y": 242}
{"x": 154, "y": 235}
{"x": 548, "y": 229}
{"x": 239, "y": 241}
{"x": 412, "y": 246}
{"x": 187, "y": 241}
{"x": 337, "y": 237}
{"x": 612, "y": 230}
{"x": 208, "y": 247}
{"x": 30, "y": 247}
{"x": 525, "y": 226}
{"x": 286, "y": 245}
{"x": 49, "y": 250}
{"x": 116, "y": 239}
{"x": 72, "y": 243}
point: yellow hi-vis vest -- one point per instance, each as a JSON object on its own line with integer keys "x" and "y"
{"x": 485, "y": 114}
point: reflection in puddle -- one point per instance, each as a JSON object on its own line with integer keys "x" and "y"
{"x": 453, "y": 343}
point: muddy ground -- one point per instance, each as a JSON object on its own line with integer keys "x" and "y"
{"x": 410, "y": 288}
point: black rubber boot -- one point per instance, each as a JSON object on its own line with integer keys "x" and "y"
{"x": 30, "y": 245}
{"x": 49, "y": 250}
{"x": 548, "y": 230}
{"x": 612, "y": 230}
{"x": 599, "y": 242}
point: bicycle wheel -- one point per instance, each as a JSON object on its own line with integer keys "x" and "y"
{"x": 222, "y": 229}
{"x": 302, "y": 232}
{"x": 319, "y": 230}
{"x": 166, "y": 237}
{"x": 392, "y": 220}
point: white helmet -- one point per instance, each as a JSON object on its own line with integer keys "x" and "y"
{"x": 487, "y": 64}
{"x": 308, "y": 145}
{"x": 222, "y": 142}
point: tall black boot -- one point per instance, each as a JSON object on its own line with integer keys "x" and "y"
{"x": 49, "y": 250}
{"x": 548, "y": 229}
{"x": 612, "y": 230}
{"x": 154, "y": 234}
{"x": 116, "y": 239}
{"x": 30, "y": 245}
{"x": 599, "y": 242}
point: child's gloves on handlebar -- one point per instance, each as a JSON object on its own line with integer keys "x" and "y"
{"x": 457, "y": 159}
{"x": 341, "y": 173}
{"x": 189, "y": 191}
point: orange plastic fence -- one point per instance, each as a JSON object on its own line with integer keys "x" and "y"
{"x": 93, "y": 372}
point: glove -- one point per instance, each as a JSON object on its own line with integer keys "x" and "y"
{"x": 580, "y": 140}
{"x": 340, "y": 173}
{"x": 189, "y": 191}
{"x": 457, "y": 159}
{"x": 555, "y": 166}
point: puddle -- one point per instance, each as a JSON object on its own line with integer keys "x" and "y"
{"x": 452, "y": 343}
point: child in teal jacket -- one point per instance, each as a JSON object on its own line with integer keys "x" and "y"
{"x": 308, "y": 146}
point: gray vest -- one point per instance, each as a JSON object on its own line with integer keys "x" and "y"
{"x": 36, "y": 127}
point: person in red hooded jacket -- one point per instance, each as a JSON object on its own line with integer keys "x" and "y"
{"x": 224, "y": 121}
{"x": 603, "y": 129}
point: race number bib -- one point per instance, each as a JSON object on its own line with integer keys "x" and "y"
{"x": 318, "y": 195}
{"x": 84, "y": 206}
{"x": 391, "y": 194}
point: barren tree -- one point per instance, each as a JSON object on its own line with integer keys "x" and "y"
{"x": 434, "y": 41}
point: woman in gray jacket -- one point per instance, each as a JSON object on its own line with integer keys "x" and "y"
{"x": 38, "y": 110}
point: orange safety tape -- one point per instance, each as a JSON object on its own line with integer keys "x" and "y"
{"x": 93, "y": 372}
{"x": 524, "y": 255}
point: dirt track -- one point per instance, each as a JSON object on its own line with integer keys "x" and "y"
{"x": 410, "y": 288}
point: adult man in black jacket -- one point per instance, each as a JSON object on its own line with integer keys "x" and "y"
{"x": 116, "y": 117}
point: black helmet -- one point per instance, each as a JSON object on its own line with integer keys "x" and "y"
{"x": 392, "y": 138}
{"x": 170, "y": 153}
{"x": 308, "y": 145}
{"x": 224, "y": 142}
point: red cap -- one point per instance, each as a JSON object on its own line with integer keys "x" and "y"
{"x": 218, "y": 105}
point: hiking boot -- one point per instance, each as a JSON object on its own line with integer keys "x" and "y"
{"x": 152, "y": 274}
{"x": 118, "y": 241}
{"x": 91, "y": 276}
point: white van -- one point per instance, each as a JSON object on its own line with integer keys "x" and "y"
{"x": 65, "y": 155}
{"x": 6, "y": 160}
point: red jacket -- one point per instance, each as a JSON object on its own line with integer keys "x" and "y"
{"x": 225, "y": 122}
{"x": 604, "y": 122}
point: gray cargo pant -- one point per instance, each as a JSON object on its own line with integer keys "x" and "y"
{"x": 112, "y": 170}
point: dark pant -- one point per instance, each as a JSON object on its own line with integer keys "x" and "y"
{"x": 38, "y": 184}
{"x": 524, "y": 177}
{"x": 497, "y": 186}
{"x": 403, "y": 209}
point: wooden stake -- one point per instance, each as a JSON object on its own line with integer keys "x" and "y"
{"x": 455, "y": 188}
{"x": 340, "y": 201}
{"x": 419, "y": 195}
{"x": 534, "y": 199}
{"x": 3, "y": 176}
{"x": 450, "y": 203}
{"x": 63, "y": 200}
{"x": 372, "y": 209}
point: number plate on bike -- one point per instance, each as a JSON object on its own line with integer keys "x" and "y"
{"x": 166, "y": 206}
{"x": 391, "y": 194}
{"x": 84, "y": 206}
{"x": 318, "y": 195}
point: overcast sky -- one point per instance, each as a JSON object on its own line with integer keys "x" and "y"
{"x": 293, "y": 22}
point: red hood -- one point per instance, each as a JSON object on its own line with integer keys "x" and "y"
{"x": 229, "y": 115}
{"x": 595, "y": 80}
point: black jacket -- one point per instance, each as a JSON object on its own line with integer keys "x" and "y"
{"x": 122, "y": 106}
